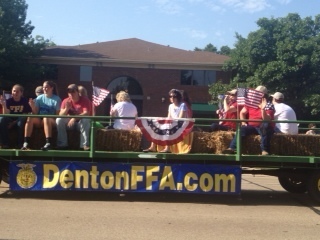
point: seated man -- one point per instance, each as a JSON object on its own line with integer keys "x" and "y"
{"x": 265, "y": 111}
{"x": 229, "y": 111}
{"x": 284, "y": 112}
{"x": 71, "y": 106}
{"x": 15, "y": 105}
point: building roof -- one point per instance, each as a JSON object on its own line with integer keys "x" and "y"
{"x": 132, "y": 52}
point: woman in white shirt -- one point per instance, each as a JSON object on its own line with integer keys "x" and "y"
{"x": 124, "y": 108}
{"x": 177, "y": 109}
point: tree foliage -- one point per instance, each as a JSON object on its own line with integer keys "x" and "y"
{"x": 17, "y": 46}
{"x": 224, "y": 50}
{"x": 284, "y": 55}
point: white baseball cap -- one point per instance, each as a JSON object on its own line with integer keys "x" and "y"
{"x": 277, "y": 95}
{"x": 262, "y": 89}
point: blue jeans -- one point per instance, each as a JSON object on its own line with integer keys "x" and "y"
{"x": 4, "y": 130}
{"x": 83, "y": 126}
{"x": 265, "y": 132}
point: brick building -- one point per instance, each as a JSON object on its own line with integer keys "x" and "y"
{"x": 146, "y": 70}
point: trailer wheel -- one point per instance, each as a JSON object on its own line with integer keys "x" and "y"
{"x": 314, "y": 186}
{"x": 293, "y": 184}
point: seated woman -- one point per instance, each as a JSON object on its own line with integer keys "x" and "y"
{"x": 123, "y": 108}
{"x": 47, "y": 103}
{"x": 229, "y": 110}
{"x": 177, "y": 109}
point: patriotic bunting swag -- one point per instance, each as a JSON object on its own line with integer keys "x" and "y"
{"x": 165, "y": 131}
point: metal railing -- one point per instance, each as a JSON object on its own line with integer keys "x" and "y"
{"x": 93, "y": 153}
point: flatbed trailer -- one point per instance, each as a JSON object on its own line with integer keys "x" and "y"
{"x": 200, "y": 173}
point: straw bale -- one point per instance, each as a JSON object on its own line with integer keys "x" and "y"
{"x": 281, "y": 144}
{"x": 295, "y": 145}
{"x": 118, "y": 140}
{"x": 251, "y": 145}
{"x": 211, "y": 142}
{"x": 202, "y": 143}
{"x": 222, "y": 140}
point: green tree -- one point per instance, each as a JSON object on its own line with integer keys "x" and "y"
{"x": 208, "y": 48}
{"x": 17, "y": 46}
{"x": 224, "y": 50}
{"x": 284, "y": 55}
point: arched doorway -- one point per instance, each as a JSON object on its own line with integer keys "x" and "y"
{"x": 131, "y": 86}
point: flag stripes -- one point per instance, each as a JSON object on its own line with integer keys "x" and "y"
{"x": 99, "y": 94}
{"x": 249, "y": 97}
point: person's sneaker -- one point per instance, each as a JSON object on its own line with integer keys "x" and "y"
{"x": 264, "y": 153}
{"x": 46, "y": 147}
{"x": 25, "y": 146}
{"x": 228, "y": 151}
{"x": 86, "y": 148}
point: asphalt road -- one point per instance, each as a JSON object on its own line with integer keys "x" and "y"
{"x": 263, "y": 211}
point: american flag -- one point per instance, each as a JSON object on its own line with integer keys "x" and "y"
{"x": 99, "y": 94}
{"x": 249, "y": 97}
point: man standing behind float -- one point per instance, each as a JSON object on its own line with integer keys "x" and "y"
{"x": 74, "y": 105}
{"x": 284, "y": 112}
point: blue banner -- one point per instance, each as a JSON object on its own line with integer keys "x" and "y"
{"x": 125, "y": 177}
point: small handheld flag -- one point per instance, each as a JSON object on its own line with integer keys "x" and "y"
{"x": 249, "y": 97}
{"x": 99, "y": 94}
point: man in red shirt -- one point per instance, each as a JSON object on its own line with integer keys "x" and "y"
{"x": 229, "y": 111}
{"x": 265, "y": 111}
{"x": 73, "y": 105}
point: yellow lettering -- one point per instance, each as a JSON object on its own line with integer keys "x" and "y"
{"x": 103, "y": 180}
{"x": 81, "y": 174}
{"x": 224, "y": 180}
{"x": 206, "y": 182}
{"x": 187, "y": 181}
{"x": 47, "y": 169}
{"x": 135, "y": 178}
{"x": 150, "y": 178}
{"x": 94, "y": 176}
{"x": 122, "y": 176}
{"x": 167, "y": 179}
{"x": 66, "y": 178}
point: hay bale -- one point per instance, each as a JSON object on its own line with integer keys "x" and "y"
{"x": 211, "y": 142}
{"x": 118, "y": 140}
{"x": 281, "y": 144}
{"x": 295, "y": 145}
{"x": 222, "y": 140}
{"x": 201, "y": 143}
{"x": 251, "y": 145}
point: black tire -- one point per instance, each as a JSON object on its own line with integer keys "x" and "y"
{"x": 293, "y": 184}
{"x": 314, "y": 186}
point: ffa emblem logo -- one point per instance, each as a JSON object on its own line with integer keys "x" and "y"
{"x": 26, "y": 177}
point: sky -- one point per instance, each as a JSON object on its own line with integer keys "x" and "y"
{"x": 183, "y": 24}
